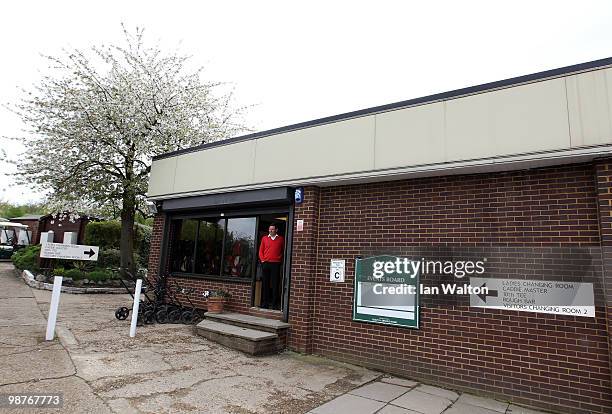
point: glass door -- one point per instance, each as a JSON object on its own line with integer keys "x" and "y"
{"x": 268, "y": 286}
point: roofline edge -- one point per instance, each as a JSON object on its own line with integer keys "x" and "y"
{"x": 456, "y": 93}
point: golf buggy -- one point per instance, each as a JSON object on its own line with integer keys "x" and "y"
{"x": 13, "y": 236}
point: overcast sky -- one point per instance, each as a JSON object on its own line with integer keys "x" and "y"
{"x": 298, "y": 61}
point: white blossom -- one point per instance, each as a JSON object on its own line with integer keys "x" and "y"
{"x": 97, "y": 119}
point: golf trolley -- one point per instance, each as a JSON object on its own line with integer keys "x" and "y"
{"x": 165, "y": 306}
{"x": 176, "y": 311}
{"x": 147, "y": 308}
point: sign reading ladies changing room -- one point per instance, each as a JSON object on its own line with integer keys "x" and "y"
{"x": 386, "y": 291}
{"x": 540, "y": 296}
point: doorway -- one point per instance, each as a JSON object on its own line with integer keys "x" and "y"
{"x": 264, "y": 222}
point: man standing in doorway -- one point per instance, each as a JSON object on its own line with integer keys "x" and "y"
{"x": 271, "y": 256}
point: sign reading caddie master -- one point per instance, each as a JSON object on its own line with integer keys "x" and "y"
{"x": 386, "y": 291}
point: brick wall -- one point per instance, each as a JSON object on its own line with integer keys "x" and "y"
{"x": 303, "y": 269}
{"x": 157, "y": 235}
{"x": 550, "y": 361}
{"x": 240, "y": 300}
{"x": 604, "y": 193}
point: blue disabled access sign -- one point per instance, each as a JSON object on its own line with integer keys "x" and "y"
{"x": 386, "y": 291}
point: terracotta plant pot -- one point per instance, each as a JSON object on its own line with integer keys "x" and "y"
{"x": 215, "y": 304}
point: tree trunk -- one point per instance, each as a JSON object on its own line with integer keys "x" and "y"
{"x": 128, "y": 212}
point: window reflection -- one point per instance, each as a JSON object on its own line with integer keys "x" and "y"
{"x": 214, "y": 246}
{"x": 183, "y": 245}
{"x": 210, "y": 243}
{"x": 239, "y": 247}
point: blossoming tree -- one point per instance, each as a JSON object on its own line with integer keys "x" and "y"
{"x": 99, "y": 116}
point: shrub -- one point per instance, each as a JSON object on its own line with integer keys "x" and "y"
{"x": 98, "y": 275}
{"x": 26, "y": 258}
{"x": 59, "y": 271}
{"x": 65, "y": 263}
{"x": 218, "y": 293}
{"x": 105, "y": 234}
{"x": 142, "y": 243}
{"x": 109, "y": 257}
{"x": 83, "y": 265}
{"x": 74, "y": 274}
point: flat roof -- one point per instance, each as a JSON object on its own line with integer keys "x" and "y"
{"x": 547, "y": 74}
{"x": 28, "y": 217}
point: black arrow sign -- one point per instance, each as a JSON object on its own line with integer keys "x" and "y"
{"x": 483, "y": 296}
{"x": 90, "y": 252}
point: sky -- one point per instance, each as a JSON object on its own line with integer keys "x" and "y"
{"x": 298, "y": 61}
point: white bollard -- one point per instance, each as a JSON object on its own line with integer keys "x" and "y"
{"x": 135, "y": 307}
{"x": 55, "y": 297}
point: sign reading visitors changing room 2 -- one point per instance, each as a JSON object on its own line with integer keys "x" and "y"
{"x": 542, "y": 296}
{"x": 386, "y": 291}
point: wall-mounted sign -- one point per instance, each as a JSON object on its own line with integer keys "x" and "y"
{"x": 336, "y": 270}
{"x": 386, "y": 291}
{"x": 69, "y": 251}
{"x": 299, "y": 195}
{"x": 300, "y": 225}
{"x": 540, "y": 296}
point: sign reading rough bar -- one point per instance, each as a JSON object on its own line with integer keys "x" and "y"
{"x": 541, "y": 296}
{"x": 386, "y": 291}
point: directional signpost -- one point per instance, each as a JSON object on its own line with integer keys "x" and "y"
{"x": 63, "y": 251}
{"x": 69, "y": 251}
{"x": 542, "y": 296}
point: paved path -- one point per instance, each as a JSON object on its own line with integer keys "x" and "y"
{"x": 29, "y": 364}
{"x": 168, "y": 369}
{"x": 165, "y": 369}
{"x": 390, "y": 395}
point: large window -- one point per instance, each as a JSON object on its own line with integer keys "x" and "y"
{"x": 209, "y": 248}
{"x": 214, "y": 247}
{"x": 185, "y": 232}
{"x": 239, "y": 247}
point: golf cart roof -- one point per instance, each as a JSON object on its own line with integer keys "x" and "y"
{"x": 5, "y": 224}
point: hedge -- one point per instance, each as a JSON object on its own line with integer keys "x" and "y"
{"x": 107, "y": 235}
{"x": 26, "y": 258}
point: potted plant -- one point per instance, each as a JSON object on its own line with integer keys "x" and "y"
{"x": 216, "y": 300}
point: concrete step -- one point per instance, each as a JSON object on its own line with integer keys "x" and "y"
{"x": 266, "y": 313}
{"x": 250, "y": 341}
{"x": 249, "y": 321}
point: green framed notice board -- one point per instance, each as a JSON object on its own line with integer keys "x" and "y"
{"x": 386, "y": 291}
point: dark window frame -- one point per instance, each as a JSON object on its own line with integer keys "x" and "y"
{"x": 225, "y": 215}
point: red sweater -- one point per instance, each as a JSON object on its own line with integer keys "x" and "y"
{"x": 271, "y": 250}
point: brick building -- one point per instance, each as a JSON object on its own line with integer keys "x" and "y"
{"x": 59, "y": 224}
{"x": 516, "y": 174}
